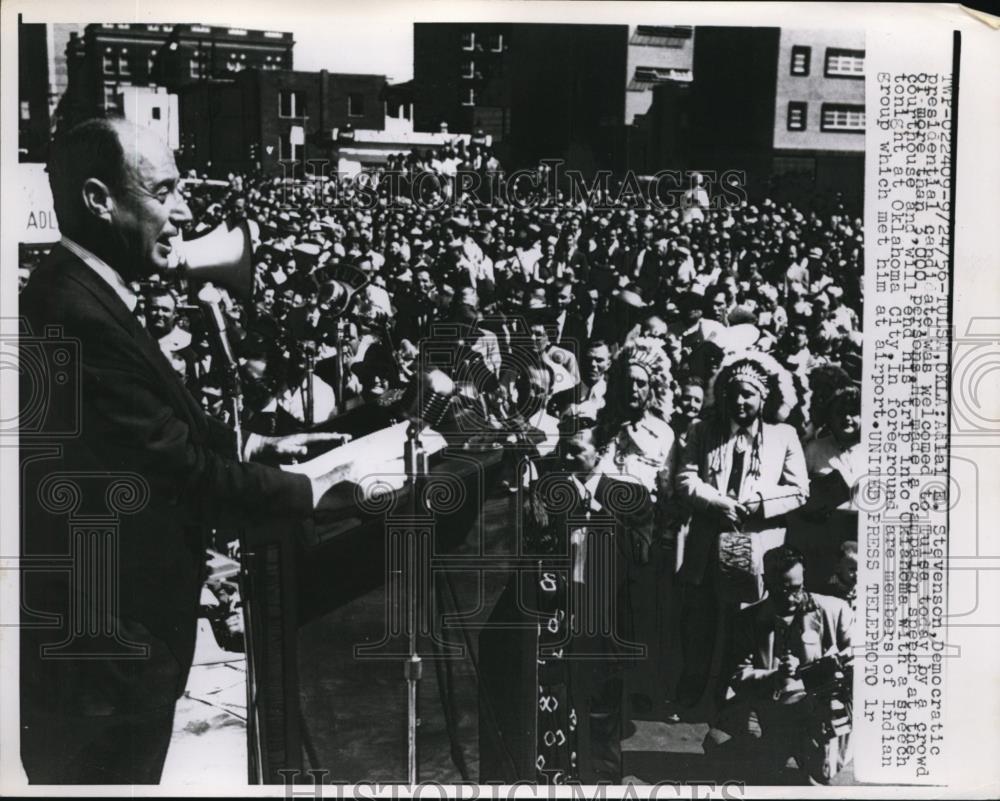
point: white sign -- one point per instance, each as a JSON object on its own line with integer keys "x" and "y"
{"x": 35, "y": 223}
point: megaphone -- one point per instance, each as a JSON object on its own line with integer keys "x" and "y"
{"x": 223, "y": 256}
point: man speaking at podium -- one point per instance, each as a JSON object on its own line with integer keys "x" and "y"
{"x": 97, "y": 701}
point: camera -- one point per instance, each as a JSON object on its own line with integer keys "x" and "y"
{"x": 825, "y": 675}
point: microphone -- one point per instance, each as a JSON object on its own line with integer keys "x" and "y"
{"x": 209, "y": 298}
{"x": 435, "y": 391}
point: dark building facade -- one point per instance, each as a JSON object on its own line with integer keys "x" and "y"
{"x": 462, "y": 77}
{"x": 33, "y": 91}
{"x": 265, "y": 118}
{"x": 111, "y": 56}
{"x": 541, "y": 90}
{"x": 195, "y": 53}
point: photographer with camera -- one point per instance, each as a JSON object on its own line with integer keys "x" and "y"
{"x": 790, "y": 693}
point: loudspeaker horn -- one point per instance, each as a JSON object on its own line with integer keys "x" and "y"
{"x": 223, "y": 256}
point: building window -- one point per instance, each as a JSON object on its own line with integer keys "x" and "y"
{"x": 150, "y": 62}
{"x": 797, "y": 115}
{"x": 469, "y": 98}
{"x": 109, "y": 62}
{"x": 123, "y": 65}
{"x": 355, "y": 104}
{"x": 152, "y": 27}
{"x": 844, "y": 63}
{"x": 110, "y": 96}
{"x": 237, "y": 32}
{"x": 469, "y": 70}
{"x": 645, "y": 78}
{"x": 662, "y": 35}
{"x": 155, "y": 111}
{"x": 842, "y": 118}
{"x": 195, "y": 69}
{"x": 25, "y": 110}
{"x": 291, "y": 104}
{"x": 287, "y": 149}
{"x": 801, "y": 56}
{"x": 469, "y": 40}
{"x": 496, "y": 43}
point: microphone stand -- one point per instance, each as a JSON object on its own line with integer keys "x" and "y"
{"x": 309, "y": 404}
{"x": 415, "y": 460}
{"x": 339, "y": 363}
{"x": 233, "y": 388}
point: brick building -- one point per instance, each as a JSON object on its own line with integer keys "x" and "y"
{"x": 111, "y": 57}
{"x": 265, "y": 117}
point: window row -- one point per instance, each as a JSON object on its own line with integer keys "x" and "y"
{"x": 494, "y": 42}
{"x": 128, "y": 26}
{"x": 292, "y": 105}
{"x": 833, "y": 117}
{"x": 837, "y": 62}
{"x": 121, "y": 63}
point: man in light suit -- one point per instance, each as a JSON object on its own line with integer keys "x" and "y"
{"x": 739, "y": 475}
{"x": 105, "y": 653}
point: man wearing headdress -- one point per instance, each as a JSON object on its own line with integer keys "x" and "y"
{"x": 636, "y": 441}
{"x": 741, "y": 472}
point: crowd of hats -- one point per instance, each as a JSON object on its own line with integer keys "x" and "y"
{"x": 783, "y": 277}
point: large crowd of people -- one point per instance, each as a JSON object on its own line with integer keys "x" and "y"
{"x": 709, "y": 353}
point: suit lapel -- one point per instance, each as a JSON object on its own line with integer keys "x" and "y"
{"x": 82, "y": 275}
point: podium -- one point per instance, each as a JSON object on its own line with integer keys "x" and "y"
{"x": 339, "y": 556}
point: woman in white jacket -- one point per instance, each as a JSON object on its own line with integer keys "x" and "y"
{"x": 742, "y": 470}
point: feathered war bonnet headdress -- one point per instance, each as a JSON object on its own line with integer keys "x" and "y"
{"x": 763, "y": 372}
{"x": 774, "y": 382}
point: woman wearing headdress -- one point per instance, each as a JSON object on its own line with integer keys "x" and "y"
{"x": 742, "y": 470}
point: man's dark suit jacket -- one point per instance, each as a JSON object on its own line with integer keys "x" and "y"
{"x": 414, "y": 317}
{"x": 134, "y": 417}
{"x": 573, "y": 336}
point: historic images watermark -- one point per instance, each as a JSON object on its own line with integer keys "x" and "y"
{"x": 317, "y": 784}
{"x": 546, "y": 187}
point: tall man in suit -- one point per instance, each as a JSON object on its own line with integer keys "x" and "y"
{"x": 109, "y": 608}
{"x": 569, "y": 328}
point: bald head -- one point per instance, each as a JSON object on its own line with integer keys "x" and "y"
{"x": 114, "y": 187}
